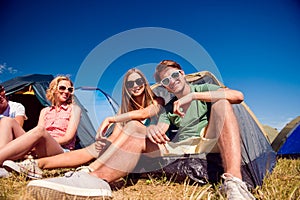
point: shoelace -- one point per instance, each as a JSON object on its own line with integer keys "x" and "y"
{"x": 29, "y": 164}
{"x": 82, "y": 168}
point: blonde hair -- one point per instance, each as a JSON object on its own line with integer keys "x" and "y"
{"x": 128, "y": 102}
{"x": 50, "y": 93}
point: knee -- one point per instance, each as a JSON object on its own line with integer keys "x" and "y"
{"x": 134, "y": 128}
{"x": 222, "y": 106}
{"x": 8, "y": 121}
{"x": 40, "y": 131}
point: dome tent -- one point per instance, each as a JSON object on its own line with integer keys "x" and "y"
{"x": 287, "y": 142}
{"x": 30, "y": 90}
{"x": 258, "y": 157}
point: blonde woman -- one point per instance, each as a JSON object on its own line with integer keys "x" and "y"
{"x": 139, "y": 104}
{"x": 56, "y": 129}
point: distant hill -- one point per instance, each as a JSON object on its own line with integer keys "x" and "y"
{"x": 271, "y": 132}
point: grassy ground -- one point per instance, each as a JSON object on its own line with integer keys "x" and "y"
{"x": 283, "y": 183}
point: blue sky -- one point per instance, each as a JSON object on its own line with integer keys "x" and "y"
{"x": 255, "y": 45}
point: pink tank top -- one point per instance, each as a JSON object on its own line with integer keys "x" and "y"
{"x": 56, "y": 123}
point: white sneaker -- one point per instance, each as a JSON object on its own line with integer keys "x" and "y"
{"x": 86, "y": 169}
{"x": 28, "y": 167}
{"x": 79, "y": 185}
{"x": 4, "y": 173}
{"x": 235, "y": 188}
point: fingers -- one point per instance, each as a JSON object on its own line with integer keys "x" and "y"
{"x": 177, "y": 109}
{"x": 100, "y": 144}
{"x": 157, "y": 137}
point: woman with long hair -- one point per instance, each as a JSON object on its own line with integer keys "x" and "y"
{"x": 138, "y": 103}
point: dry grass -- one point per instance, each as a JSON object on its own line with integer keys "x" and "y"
{"x": 283, "y": 183}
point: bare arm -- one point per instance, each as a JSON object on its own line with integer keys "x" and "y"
{"x": 233, "y": 96}
{"x": 141, "y": 114}
{"x": 20, "y": 120}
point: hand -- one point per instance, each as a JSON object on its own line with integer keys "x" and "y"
{"x": 181, "y": 105}
{"x": 100, "y": 143}
{"x": 156, "y": 135}
{"x": 102, "y": 128}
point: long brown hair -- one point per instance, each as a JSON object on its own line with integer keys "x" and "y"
{"x": 53, "y": 87}
{"x": 128, "y": 103}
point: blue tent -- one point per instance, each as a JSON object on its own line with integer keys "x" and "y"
{"x": 30, "y": 90}
{"x": 287, "y": 142}
{"x": 97, "y": 106}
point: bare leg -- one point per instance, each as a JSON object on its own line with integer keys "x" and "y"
{"x": 74, "y": 158}
{"x": 10, "y": 129}
{"x": 43, "y": 142}
{"x": 69, "y": 159}
{"x": 223, "y": 124}
{"x": 123, "y": 154}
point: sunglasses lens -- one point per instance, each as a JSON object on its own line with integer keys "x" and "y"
{"x": 129, "y": 84}
{"x": 175, "y": 75}
{"x": 70, "y": 89}
{"x": 139, "y": 81}
{"x": 165, "y": 81}
{"x": 63, "y": 88}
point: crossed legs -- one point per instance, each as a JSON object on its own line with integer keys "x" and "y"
{"x": 37, "y": 138}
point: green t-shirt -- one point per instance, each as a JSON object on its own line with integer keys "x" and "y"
{"x": 195, "y": 117}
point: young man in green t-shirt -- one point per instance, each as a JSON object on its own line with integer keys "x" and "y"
{"x": 197, "y": 133}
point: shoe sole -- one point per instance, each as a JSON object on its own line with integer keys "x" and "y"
{"x": 4, "y": 173}
{"x": 11, "y": 166}
{"x": 47, "y": 193}
{"x": 70, "y": 190}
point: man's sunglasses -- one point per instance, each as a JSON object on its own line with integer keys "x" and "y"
{"x": 63, "y": 88}
{"x": 166, "y": 81}
{"x": 139, "y": 82}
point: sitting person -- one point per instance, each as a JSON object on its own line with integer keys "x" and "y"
{"x": 138, "y": 103}
{"x": 189, "y": 114}
{"x": 56, "y": 129}
{"x": 11, "y": 109}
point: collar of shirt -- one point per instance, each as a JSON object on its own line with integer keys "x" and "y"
{"x": 63, "y": 106}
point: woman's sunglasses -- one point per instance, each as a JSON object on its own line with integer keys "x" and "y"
{"x": 62, "y": 88}
{"x": 166, "y": 81}
{"x": 138, "y": 82}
